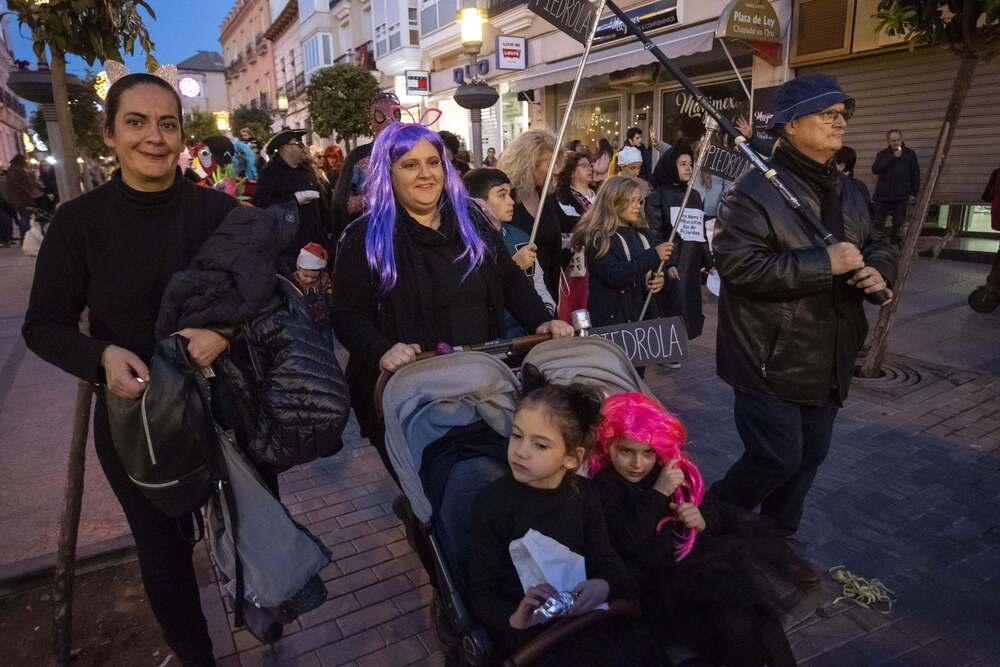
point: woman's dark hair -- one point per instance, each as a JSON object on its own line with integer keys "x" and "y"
{"x": 571, "y": 146}
{"x": 113, "y": 99}
{"x": 564, "y": 179}
{"x": 665, "y": 174}
{"x": 451, "y": 142}
{"x": 574, "y": 408}
{"x": 848, "y": 157}
{"x": 604, "y": 147}
{"x": 18, "y": 161}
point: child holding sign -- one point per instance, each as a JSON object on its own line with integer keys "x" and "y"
{"x": 670, "y": 180}
{"x": 623, "y": 253}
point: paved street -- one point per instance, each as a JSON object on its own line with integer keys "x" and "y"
{"x": 909, "y": 495}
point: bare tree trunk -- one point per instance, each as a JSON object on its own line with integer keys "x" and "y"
{"x": 887, "y": 316}
{"x": 60, "y": 97}
{"x": 62, "y": 614}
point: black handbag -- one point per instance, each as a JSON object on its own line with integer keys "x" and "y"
{"x": 166, "y": 438}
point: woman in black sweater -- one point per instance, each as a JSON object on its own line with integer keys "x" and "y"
{"x": 421, "y": 268}
{"x": 113, "y": 250}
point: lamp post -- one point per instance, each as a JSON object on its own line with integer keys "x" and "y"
{"x": 282, "y": 109}
{"x": 474, "y": 95}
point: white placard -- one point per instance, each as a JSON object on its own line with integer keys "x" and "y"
{"x": 709, "y": 231}
{"x": 691, "y": 226}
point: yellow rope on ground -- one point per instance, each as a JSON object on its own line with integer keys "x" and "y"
{"x": 866, "y": 593}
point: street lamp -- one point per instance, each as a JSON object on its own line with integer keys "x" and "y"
{"x": 282, "y": 108}
{"x": 474, "y": 95}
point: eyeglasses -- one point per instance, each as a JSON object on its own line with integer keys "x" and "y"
{"x": 830, "y": 115}
{"x": 297, "y": 143}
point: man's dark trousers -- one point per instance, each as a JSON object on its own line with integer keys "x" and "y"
{"x": 897, "y": 209}
{"x": 784, "y": 445}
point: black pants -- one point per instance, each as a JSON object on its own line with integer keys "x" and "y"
{"x": 897, "y": 209}
{"x": 784, "y": 444}
{"x": 164, "y": 545}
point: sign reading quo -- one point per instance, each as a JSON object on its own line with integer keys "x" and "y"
{"x": 573, "y": 17}
{"x": 648, "y": 342}
{"x": 749, "y": 20}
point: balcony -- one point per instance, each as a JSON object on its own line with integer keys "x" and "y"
{"x": 346, "y": 59}
{"x": 365, "y": 56}
{"x": 300, "y": 85}
{"x": 260, "y": 43}
{"x": 496, "y": 7}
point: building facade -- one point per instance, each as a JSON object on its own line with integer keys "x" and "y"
{"x": 247, "y": 54}
{"x": 13, "y": 117}
{"x": 201, "y": 81}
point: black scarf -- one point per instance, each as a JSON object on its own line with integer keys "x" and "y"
{"x": 822, "y": 178}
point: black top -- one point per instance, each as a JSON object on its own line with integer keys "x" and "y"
{"x": 548, "y": 240}
{"x": 617, "y": 279}
{"x": 505, "y": 510}
{"x": 346, "y": 188}
{"x": 114, "y": 249}
{"x": 278, "y": 184}
{"x": 898, "y": 177}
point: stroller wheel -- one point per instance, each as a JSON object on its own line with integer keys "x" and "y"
{"x": 475, "y": 646}
{"x": 984, "y": 299}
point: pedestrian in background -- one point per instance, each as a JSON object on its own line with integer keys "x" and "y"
{"x": 898, "y": 183}
{"x": 23, "y": 191}
{"x": 602, "y": 161}
{"x": 791, "y": 316}
{"x": 526, "y": 162}
{"x": 490, "y": 161}
{"x": 454, "y": 149}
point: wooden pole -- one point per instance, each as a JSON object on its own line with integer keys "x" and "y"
{"x": 62, "y": 618}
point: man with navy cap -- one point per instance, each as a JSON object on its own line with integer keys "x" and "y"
{"x": 791, "y": 319}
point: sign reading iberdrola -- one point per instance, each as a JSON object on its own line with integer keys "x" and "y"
{"x": 573, "y": 17}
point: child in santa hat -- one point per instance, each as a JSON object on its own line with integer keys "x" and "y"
{"x": 314, "y": 282}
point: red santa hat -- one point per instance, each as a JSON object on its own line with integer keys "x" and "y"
{"x": 312, "y": 256}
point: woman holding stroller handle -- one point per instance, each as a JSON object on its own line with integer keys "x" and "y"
{"x": 423, "y": 266}
{"x": 113, "y": 250}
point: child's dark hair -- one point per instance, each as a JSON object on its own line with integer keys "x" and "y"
{"x": 113, "y": 99}
{"x": 480, "y": 181}
{"x": 574, "y": 408}
{"x": 848, "y": 157}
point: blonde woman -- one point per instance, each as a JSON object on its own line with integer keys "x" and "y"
{"x": 525, "y": 161}
{"x": 622, "y": 252}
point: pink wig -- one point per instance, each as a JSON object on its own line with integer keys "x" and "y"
{"x": 637, "y": 417}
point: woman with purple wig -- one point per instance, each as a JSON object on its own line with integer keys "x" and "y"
{"x": 423, "y": 266}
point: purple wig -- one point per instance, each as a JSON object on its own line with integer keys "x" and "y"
{"x": 392, "y": 144}
{"x": 638, "y": 417}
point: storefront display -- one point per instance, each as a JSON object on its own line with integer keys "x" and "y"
{"x": 592, "y": 120}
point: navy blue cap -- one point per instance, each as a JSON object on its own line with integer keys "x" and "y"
{"x": 806, "y": 94}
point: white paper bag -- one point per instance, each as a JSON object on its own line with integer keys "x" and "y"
{"x": 539, "y": 559}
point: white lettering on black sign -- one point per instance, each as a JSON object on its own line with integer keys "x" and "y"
{"x": 648, "y": 342}
{"x": 573, "y": 17}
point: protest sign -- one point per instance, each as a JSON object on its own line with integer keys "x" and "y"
{"x": 648, "y": 342}
{"x": 573, "y": 17}
{"x": 691, "y": 226}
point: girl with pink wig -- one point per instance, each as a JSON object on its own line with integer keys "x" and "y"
{"x": 694, "y": 589}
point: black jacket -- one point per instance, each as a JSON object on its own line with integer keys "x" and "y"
{"x": 368, "y": 323}
{"x": 277, "y": 184}
{"x": 344, "y": 211}
{"x": 548, "y": 239}
{"x": 617, "y": 283}
{"x": 898, "y": 177}
{"x": 787, "y": 327}
{"x": 292, "y": 400}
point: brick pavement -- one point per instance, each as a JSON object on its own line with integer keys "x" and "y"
{"x": 910, "y": 494}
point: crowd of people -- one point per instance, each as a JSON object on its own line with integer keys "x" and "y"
{"x": 402, "y": 246}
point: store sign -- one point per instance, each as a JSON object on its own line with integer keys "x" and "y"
{"x": 573, "y": 17}
{"x": 649, "y": 341}
{"x": 683, "y": 118}
{"x": 460, "y": 74}
{"x": 648, "y": 17}
{"x": 763, "y": 111}
{"x": 512, "y": 52}
{"x": 749, "y": 20}
{"x": 418, "y": 82}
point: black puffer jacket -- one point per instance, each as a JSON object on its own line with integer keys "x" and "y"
{"x": 787, "y": 327}
{"x": 292, "y": 398}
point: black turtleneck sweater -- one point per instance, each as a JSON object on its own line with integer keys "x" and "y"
{"x": 113, "y": 250}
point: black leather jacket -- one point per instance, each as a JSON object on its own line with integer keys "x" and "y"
{"x": 787, "y": 327}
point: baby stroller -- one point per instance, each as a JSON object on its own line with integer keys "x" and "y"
{"x": 447, "y": 419}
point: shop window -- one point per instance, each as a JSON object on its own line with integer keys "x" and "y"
{"x": 317, "y": 52}
{"x": 642, "y": 111}
{"x": 821, "y": 29}
{"x": 682, "y": 115}
{"x": 977, "y": 219}
{"x": 592, "y": 120}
